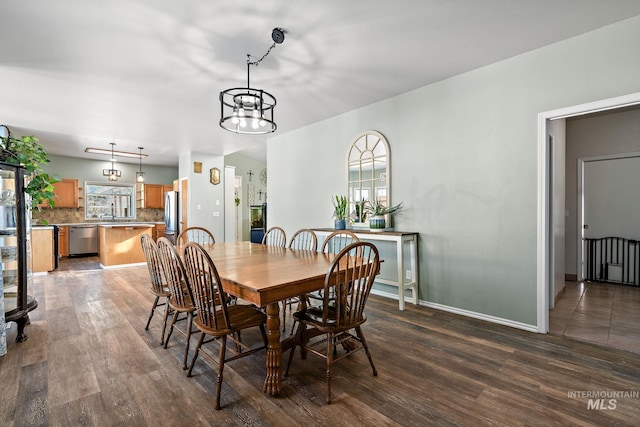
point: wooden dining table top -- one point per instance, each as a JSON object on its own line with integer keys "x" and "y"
{"x": 264, "y": 274}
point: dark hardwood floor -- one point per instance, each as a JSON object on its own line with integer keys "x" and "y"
{"x": 89, "y": 361}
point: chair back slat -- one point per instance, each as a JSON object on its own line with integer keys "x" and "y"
{"x": 150, "y": 249}
{"x": 350, "y": 279}
{"x": 304, "y": 239}
{"x": 174, "y": 273}
{"x": 208, "y": 294}
{"x": 337, "y": 240}
{"x": 200, "y": 235}
{"x": 275, "y": 236}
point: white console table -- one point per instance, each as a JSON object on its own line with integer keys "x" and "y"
{"x": 401, "y": 240}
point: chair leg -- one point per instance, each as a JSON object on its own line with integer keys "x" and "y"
{"x": 293, "y": 349}
{"x": 173, "y": 322}
{"x": 195, "y": 355}
{"x": 284, "y": 314}
{"x": 164, "y": 324}
{"x": 153, "y": 309}
{"x": 223, "y": 347}
{"x": 366, "y": 349}
{"x": 330, "y": 349}
{"x": 188, "y": 339}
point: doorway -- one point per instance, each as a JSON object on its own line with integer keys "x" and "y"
{"x": 548, "y": 212}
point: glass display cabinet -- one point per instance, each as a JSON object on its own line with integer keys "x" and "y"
{"x": 15, "y": 273}
{"x": 258, "y": 222}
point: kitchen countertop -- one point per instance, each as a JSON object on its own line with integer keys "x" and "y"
{"x": 124, "y": 224}
{"x": 116, "y": 223}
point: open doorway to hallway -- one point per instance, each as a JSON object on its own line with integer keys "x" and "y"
{"x": 586, "y": 311}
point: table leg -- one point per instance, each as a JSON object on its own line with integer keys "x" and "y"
{"x": 400, "y": 249}
{"x": 273, "y": 381}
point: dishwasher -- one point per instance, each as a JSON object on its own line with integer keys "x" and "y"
{"x": 83, "y": 239}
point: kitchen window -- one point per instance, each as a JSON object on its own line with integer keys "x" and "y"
{"x": 109, "y": 201}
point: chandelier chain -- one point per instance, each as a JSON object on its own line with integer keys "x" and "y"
{"x": 256, "y": 63}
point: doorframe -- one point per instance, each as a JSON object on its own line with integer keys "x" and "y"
{"x": 580, "y": 213}
{"x": 544, "y": 242}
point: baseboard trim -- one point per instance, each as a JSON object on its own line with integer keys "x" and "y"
{"x": 559, "y": 295}
{"x": 467, "y": 313}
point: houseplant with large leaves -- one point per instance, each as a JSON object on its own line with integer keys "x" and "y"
{"x": 28, "y": 152}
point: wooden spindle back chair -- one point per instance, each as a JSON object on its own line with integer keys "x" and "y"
{"x": 216, "y": 317}
{"x": 275, "y": 236}
{"x": 349, "y": 278}
{"x": 181, "y": 300}
{"x": 200, "y": 235}
{"x": 157, "y": 280}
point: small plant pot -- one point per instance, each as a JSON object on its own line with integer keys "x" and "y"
{"x": 377, "y": 223}
{"x": 340, "y": 224}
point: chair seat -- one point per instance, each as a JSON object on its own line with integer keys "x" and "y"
{"x": 314, "y": 315}
{"x": 165, "y": 291}
{"x": 183, "y": 308}
{"x": 240, "y": 317}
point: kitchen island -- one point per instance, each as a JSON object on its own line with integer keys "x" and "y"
{"x": 120, "y": 244}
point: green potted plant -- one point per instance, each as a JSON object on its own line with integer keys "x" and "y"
{"x": 29, "y": 153}
{"x": 340, "y": 206}
{"x": 378, "y": 211}
{"x": 361, "y": 210}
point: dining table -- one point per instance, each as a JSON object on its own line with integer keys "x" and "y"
{"x": 265, "y": 275}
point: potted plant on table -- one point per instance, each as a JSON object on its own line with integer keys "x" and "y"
{"x": 340, "y": 205}
{"x": 377, "y": 211}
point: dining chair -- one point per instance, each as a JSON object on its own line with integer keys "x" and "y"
{"x": 216, "y": 317}
{"x": 337, "y": 240}
{"x": 158, "y": 286}
{"x": 333, "y": 244}
{"x": 199, "y": 235}
{"x": 305, "y": 240}
{"x": 275, "y": 236}
{"x": 349, "y": 278}
{"x": 181, "y": 300}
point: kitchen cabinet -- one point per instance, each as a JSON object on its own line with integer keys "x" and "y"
{"x": 120, "y": 244}
{"x": 158, "y": 231}
{"x": 15, "y": 271}
{"x": 42, "y": 249}
{"x": 67, "y": 193}
{"x": 63, "y": 240}
{"x": 150, "y": 196}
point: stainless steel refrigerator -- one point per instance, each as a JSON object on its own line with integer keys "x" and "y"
{"x": 172, "y": 215}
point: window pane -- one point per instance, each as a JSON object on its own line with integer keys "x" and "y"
{"x": 109, "y": 201}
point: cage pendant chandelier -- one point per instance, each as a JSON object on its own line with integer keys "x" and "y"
{"x": 112, "y": 173}
{"x": 248, "y": 110}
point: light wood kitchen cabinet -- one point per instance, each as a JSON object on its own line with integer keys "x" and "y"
{"x": 150, "y": 196}
{"x": 120, "y": 244}
{"x": 63, "y": 240}
{"x": 158, "y": 231}
{"x": 67, "y": 193}
{"x": 42, "y": 250}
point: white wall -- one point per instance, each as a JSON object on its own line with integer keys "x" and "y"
{"x": 91, "y": 170}
{"x": 204, "y": 197}
{"x": 464, "y": 161}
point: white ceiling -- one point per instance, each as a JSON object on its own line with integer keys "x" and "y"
{"x": 79, "y": 73}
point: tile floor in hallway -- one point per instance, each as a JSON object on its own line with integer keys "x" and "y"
{"x": 601, "y": 313}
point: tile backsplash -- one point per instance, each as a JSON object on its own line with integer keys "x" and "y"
{"x": 73, "y": 215}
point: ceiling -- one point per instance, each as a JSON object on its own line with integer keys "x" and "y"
{"x": 78, "y": 73}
